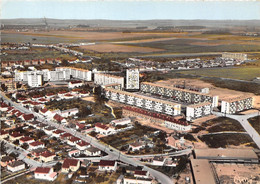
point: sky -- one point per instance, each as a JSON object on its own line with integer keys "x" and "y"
{"x": 130, "y": 10}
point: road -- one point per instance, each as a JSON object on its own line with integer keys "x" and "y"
{"x": 246, "y": 125}
{"x": 162, "y": 178}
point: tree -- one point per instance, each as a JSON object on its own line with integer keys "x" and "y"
{"x": 25, "y": 146}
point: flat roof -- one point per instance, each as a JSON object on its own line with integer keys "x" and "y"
{"x": 202, "y": 171}
{"x": 225, "y": 153}
{"x": 174, "y": 88}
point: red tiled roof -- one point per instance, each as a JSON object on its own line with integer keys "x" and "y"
{"x": 27, "y": 117}
{"x": 106, "y": 163}
{"x": 50, "y": 94}
{"x": 66, "y": 135}
{"x": 37, "y": 96}
{"x": 10, "y": 109}
{"x": 47, "y": 154}
{"x": 36, "y": 143}
{"x": 16, "y": 134}
{"x": 83, "y": 143}
{"x": 75, "y": 82}
{"x": 69, "y": 162}
{"x": 100, "y": 125}
{"x": 58, "y": 132}
{"x": 42, "y": 170}
{"x": 62, "y": 92}
{"x": 143, "y": 173}
{"x": 44, "y": 110}
{"x": 26, "y": 138}
{"x": 68, "y": 95}
{"x": 57, "y": 117}
{"x": 74, "y": 139}
{"x": 42, "y": 100}
{"x": 3, "y": 132}
{"x": 3, "y": 105}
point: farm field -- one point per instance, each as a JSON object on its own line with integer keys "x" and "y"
{"x": 93, "y": 36}
{"x": 34, "y": 53}
{"x": 107, "y": 47}
{"x": 242, "y": 73}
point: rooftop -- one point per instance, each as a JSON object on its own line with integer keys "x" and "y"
{"x": 202, "y": 171}
{"x": 225, "y": 153}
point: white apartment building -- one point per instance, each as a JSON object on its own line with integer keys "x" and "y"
{"x": 35, "y": 79}
{"x": 105, "y": 79}
{"x": 132, "y": 79}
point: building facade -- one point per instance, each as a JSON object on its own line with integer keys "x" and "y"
{"x": 178, "y": 94}
{"x": 145, "y": 102}
{"x": 234, "y": 105}
{"x": 195, "y": 111}
{"x": 132, "y": 79}
{"x": 105, "y": 79}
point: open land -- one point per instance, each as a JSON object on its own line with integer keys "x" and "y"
{"x": 107, "y": 47}
{"x": 229, "y": 173}
{"x": 242, "y": 73}
{"x": 255, "y": 122}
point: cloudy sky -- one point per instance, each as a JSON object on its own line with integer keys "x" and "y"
{"x": 130, "y": 10}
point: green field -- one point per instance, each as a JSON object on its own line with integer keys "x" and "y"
{"x": 242, "y": 73}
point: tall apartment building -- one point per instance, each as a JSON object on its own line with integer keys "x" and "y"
{"x": 77, "y": 73}
{"x": 105, "y": 79}
{"x": 35, "y": 79}
{"x": 132, "y": 79}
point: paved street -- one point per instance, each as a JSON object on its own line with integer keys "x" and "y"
{"x": 162, "y": 178}
{"x": 246, "y": 125}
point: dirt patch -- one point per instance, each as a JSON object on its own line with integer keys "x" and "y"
{"x": 119, "y": 48}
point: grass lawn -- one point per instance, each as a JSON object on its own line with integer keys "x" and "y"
{"x": 255, "y": 122}
{"x": 224, "y": 140}
{"x": 242, "y": 73}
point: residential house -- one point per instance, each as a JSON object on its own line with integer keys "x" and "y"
{"x": 45, "y": 173}
{"x": 59, "y": 119}
{"x": 15, "y": 136}
{"x": 66, "y": 136}
{"x": 159, "y": 161}
{"x": 75, "y": 84}
{"x": 73, "y": 141}
{"x": 36, "y": 145}
{"x": 47, "y": 156}
{"x": 16, "y": 166}
{"x": 82, "y": 145}
{"x": 26, "y": 140}
{"x": 107, "y": 165}
{"x": 49, "y": 130}
{"x": 92, "y": 151}
{"x": 103, "y": 129}
{"x": 141, "y": 174}
{"x": 6, "y": 160}
{"x": 122, "y": 121}
{"x": 58, "y": 133}
{"x": 73, "y": 153}
{"x": 70, "y": 165}
{"x": 136, "y": 146}
{"x": 4, "y": 134}
{"x": 27, "y": 117}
